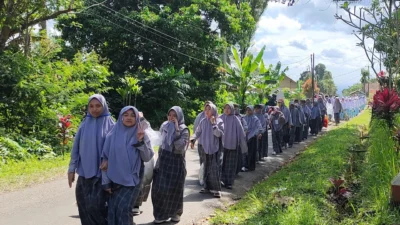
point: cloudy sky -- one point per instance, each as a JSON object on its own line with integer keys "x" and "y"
{"x": 291, "y": 34}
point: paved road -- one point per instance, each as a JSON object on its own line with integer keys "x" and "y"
{"x": 53, "y": 203}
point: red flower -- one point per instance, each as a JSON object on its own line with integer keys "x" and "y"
{"x": 381, "y": 74}
{"x": 342, "y": 191}
{"x": 336, "y": 182}
{"x": 386, "y": 101}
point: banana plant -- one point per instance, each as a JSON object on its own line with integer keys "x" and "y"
{"x": 131, "y": 87}
{"x": 269, "y": 79}
{"x": 241, "y": 75}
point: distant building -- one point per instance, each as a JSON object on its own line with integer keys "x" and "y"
{"x": 373, "y": 87}
{"x": 287, "y": 82}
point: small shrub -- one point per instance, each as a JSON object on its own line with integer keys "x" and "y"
{"x": 11, "y": 150}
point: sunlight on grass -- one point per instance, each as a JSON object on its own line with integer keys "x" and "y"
{"x": 16, "y": 175}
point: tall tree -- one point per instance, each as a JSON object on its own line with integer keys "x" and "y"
{"x": 162, "y": 89}
{"x": 152, "y": 35}
{"x": 320, "y": 71}
{"x": 305, "y": 75}
{"x": 327, "y": 85}
{"x": 17, "y": 17}
{"x": 307, "y": 88}
{"x": 257, "y": 8}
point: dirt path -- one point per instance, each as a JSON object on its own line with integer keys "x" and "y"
{"x": 53, "y": 203}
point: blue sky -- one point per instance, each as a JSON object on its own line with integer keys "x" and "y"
{"x": 291, "y": 34}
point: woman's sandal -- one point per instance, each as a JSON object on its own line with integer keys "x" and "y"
{"x": 204, "y": 191}
{"x": 217, "y": 195}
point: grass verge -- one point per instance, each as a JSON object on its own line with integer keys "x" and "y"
{"x": 20, "y": 174}
{"x": 297, "y": 193}
{"x": 381, "y": 165}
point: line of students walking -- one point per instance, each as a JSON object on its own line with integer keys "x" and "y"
{"x": 109, "y": 157}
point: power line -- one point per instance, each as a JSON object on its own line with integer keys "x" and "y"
{"x": 191, "y": 57}
{"x": 304, "y": 59}
{"x": 347, "y": 73}
{"x": 144, "y": 25}
{"x": 327, "y": 7}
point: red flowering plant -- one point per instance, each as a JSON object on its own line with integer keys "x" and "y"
{"x": 63, "y": 126}
{"x": 339, "y": 194}
{"x": 385, "y": 104}
{"x": 383, "y": 80}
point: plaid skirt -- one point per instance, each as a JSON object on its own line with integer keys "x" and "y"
{"x": 239, "y": 164}
{"x": 144, "y": 190}
{"x": 143, "y": 195}
{"x": 168, "y": 185}
{"x": 91, "y": 200}
{"x": 212, "y": 171}
{"x": 285, "y": 137}
{"x": 229, "y": 166}
{"x": 276, "y": 137}
{"x": 200, "y": 150}
{"x": 252, "y": 156}
{"x": 121, "y": 204}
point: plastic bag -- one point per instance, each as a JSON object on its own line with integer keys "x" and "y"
{"x": 326, "y": 121}
{"x": 201, "y": 174}
{"x": 148, "y": 172}
{"x": 154, "y": 136}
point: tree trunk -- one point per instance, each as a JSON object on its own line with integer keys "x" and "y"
{"x": 4, "y": 36}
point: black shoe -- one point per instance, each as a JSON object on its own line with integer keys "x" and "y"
{"x": 229, "y": 187}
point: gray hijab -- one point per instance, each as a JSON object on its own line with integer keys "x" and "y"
{"x": 233, "y": 130}
{"x": 169, "y": 129}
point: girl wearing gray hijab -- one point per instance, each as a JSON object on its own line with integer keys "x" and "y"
{"x": 276, "y": 121}
{"x": 285, "y": 137}
{"x": 244, "y": 125}
{"x": 254, "y": 132}
{"x": 125, "y": 150}
{"x": 197, "y": 121}
{"x": 210, "y": 131}
{"x": 86, "y": 160}
{"x": 337, "y": 109}
{"x": 234, "y": 140}
{"x": 170, "y": 171}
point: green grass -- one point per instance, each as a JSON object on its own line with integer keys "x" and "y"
{"x": 20, "y": 174}
{"x": 305, "y": 180}
{"x": 382, "y": 164}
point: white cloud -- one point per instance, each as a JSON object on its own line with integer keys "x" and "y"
{"x": 276, "y": 25}
{"x": 296, "y": 32}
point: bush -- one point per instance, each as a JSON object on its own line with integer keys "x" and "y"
{"x": 38, "y": 88}
{"x": 15, "y": 147}
{"x": 11, "y": 150}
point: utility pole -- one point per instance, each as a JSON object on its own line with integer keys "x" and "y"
{"x": 312, "y": 77}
